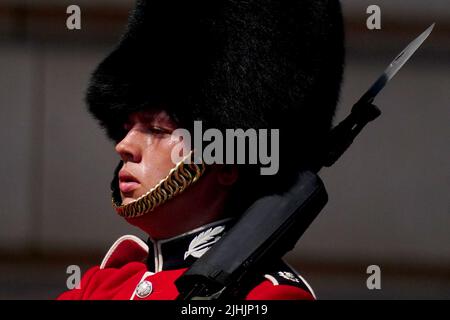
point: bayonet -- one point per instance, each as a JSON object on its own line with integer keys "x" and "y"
{"x": 395, "y": 66}
{"x": 363, "y": 112}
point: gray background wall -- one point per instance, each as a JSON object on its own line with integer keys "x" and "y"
{"x": 389, "y": 195}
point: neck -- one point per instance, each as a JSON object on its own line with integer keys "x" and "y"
{"x": 181, "y": 215}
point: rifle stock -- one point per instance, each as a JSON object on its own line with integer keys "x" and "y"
{"x": 266, "y": 231}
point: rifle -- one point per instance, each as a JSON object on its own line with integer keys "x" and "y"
{"x": 273, "y": 224}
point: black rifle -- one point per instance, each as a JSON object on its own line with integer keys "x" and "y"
{"x": 273, "y": 224}
{"x": 270, "y": 227}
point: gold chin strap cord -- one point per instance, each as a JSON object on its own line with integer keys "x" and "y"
{"x": 179, "y": 178}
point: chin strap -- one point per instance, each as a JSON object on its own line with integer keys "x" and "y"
{"x": 179, "y": 178}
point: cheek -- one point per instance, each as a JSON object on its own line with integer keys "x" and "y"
{"x": 157, "y": 161}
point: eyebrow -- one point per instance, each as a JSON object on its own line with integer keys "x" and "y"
{"x": 155, "y": 116}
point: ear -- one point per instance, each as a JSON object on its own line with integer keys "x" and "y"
{"x": 227, "y": 175}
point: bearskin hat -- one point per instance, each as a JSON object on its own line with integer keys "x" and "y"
{"x": 231, "y": 64}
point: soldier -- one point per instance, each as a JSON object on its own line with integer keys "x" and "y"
{"x": 230, "y": 64}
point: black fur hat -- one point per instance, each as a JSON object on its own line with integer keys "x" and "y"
{"x": 230, "y": 63}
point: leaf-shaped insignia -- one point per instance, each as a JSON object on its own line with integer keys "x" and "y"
{"x": 201, "y": 243}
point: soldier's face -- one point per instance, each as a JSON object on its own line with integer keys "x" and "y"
{"x": 146, "y": 153}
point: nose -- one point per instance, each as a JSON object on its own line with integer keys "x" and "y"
{"x": 129, "y": 148}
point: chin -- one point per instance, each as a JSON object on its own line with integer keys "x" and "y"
{"x": 126, "y": 201}
{"x": 130, "y": 196}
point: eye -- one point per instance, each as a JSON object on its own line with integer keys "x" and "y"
{"x": 158, "y": 130}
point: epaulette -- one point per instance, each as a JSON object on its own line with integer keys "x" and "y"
{"x": 283, "y": 274}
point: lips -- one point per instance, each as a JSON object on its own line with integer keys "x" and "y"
{"x": 127, "y": 182}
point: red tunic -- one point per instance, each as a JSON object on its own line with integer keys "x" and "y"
{"x": 133, "y": 270}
